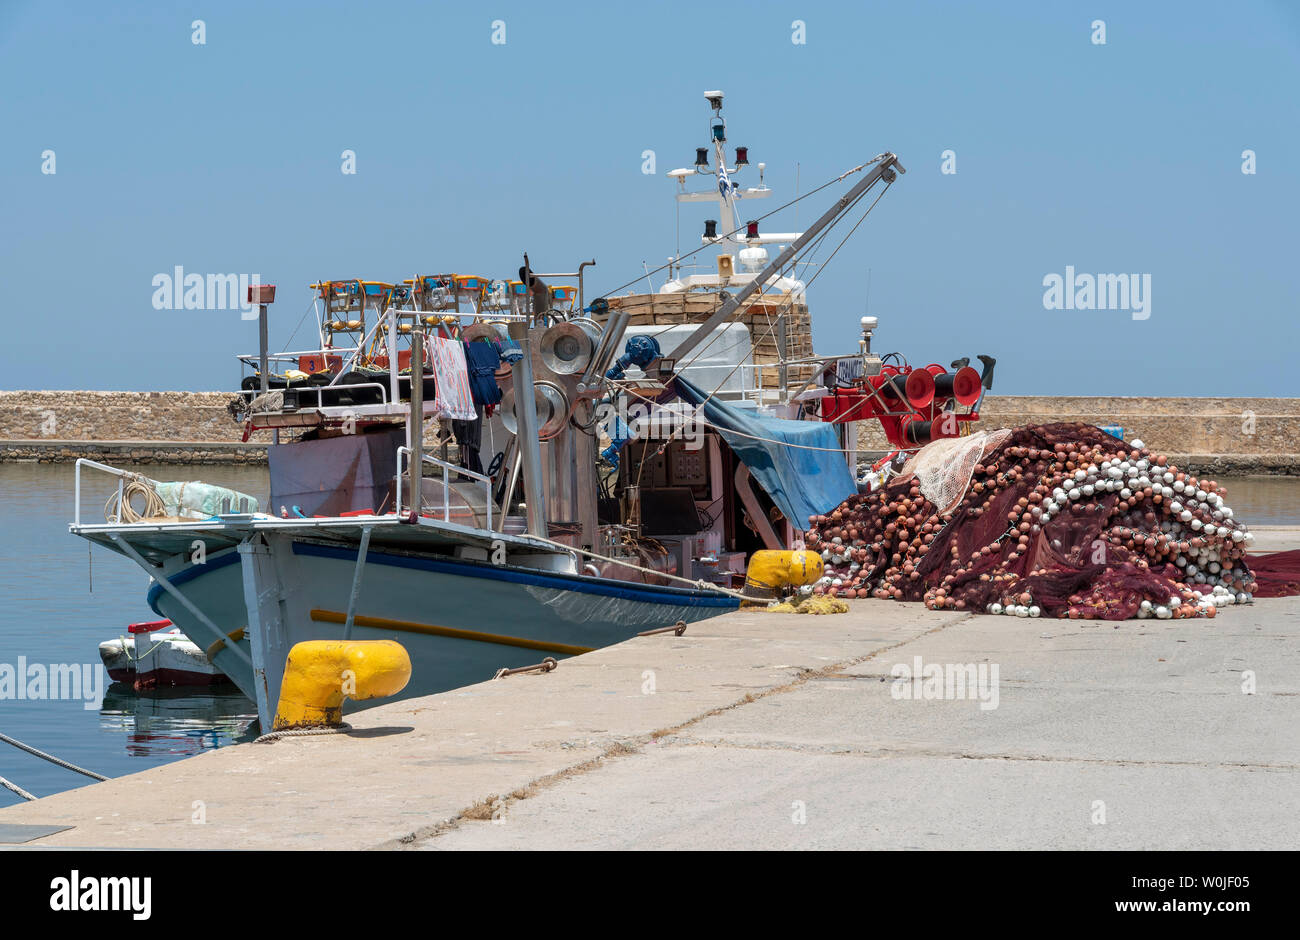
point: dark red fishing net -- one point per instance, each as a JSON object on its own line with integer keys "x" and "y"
{"x": 1277, "y": 574}
{"x": 1098, "y": 555}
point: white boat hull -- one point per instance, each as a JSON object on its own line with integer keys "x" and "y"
{"x": 459, "y": 620}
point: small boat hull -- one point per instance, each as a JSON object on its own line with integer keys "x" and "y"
{"x": 160, "y": 660}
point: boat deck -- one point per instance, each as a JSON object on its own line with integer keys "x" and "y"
{"x": 159, "y": 541}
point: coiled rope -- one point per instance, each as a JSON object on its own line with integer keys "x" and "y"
{"x": 49, "y": 757}
{"x": 118, "y": 508}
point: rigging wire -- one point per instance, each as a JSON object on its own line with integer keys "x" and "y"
{"x": 811, "y": 192}
{"x": 301, "y": 320}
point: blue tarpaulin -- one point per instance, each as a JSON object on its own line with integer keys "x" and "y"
{"x": 799, "y": 463}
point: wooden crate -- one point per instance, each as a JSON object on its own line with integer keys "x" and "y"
{"x": 758, "y": 314}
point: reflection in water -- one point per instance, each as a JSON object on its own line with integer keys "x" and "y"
{"x": 173, "y": 723}
{"x": 1264, "y": 500}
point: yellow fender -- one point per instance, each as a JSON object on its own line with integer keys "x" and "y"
{"x": 234, "y": 636}
{"x": 320, "y": 674}
{"x": 770, "y": 571}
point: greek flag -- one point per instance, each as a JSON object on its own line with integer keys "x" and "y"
{"x": 725, "y": 185}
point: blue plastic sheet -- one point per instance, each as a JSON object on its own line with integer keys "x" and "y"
{"x": 800, "y": 464}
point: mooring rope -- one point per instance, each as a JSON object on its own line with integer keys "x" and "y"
{"x": 301, "y": 733}
{"x": 9, "y": 785}
{"x": 49, "y": 757}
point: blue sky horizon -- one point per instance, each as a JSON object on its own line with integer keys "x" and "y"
{"x": 1122, "y": 157}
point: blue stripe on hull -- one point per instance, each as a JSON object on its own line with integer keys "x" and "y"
{"x": 214, "y": 563}
{"x": 605, "y": 587}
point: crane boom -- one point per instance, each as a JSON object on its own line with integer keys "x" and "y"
{"x": 885, "y": 165}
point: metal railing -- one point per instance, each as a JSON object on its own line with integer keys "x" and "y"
{"x": 489, "y": 314}
{"x": 252, "y": 393}
{"x": 253, "y": 361}
{"x": 122, "y": 477}
{"x": 293, "y": 355}
{"x": 403, "y": 456}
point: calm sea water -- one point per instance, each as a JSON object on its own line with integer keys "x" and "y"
{"x": 50, "y": 614}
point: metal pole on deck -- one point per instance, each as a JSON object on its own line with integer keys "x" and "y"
{"x": 526, "y": 402}
{"x": 529, "y": 446}
{"x": 415, "y": 424}
{"x": 263, "y": 342}
{"x": 263, "y": 295}
{"x": 512, "y": 483}
{"x": 394, "y": 367}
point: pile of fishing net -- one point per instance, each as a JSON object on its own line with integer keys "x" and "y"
{"x": 1057, "y": 520}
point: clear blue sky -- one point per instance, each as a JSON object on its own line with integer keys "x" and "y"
{"x": 225, "y": 157}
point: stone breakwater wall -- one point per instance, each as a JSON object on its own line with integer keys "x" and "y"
{"x": 1241, "y": 435}
{"x": 116, "y": 453}
{"x": 146, "y": 427}
{"x": 1220, "y": 435}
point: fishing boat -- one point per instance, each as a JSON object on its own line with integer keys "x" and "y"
{"x": 640, "y": 448}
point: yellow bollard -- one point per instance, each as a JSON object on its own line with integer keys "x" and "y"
{"x": 770, "y": 571}
{"x": 320, "y": 674}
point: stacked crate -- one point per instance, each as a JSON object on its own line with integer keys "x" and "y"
{"x": 759, "y": 314}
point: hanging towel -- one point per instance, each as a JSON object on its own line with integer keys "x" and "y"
{"x": 452, "y": 399}
{"x": 507, "y": 348}
{"x": 483, "y": 361}
{"x": 469, "y": 439}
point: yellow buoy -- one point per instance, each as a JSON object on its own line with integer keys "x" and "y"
{"x": 771, "y": 571}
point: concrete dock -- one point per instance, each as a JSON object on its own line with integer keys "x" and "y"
{"x": 758, "y": 730}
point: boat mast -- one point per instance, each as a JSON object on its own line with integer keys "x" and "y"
{"x": 726, "y": 185}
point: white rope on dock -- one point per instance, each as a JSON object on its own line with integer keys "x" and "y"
{"x": 49, "y": 757}
{"x": 10, "y": 785}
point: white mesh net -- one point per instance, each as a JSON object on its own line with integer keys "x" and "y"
{"x": 943, "y": 468}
